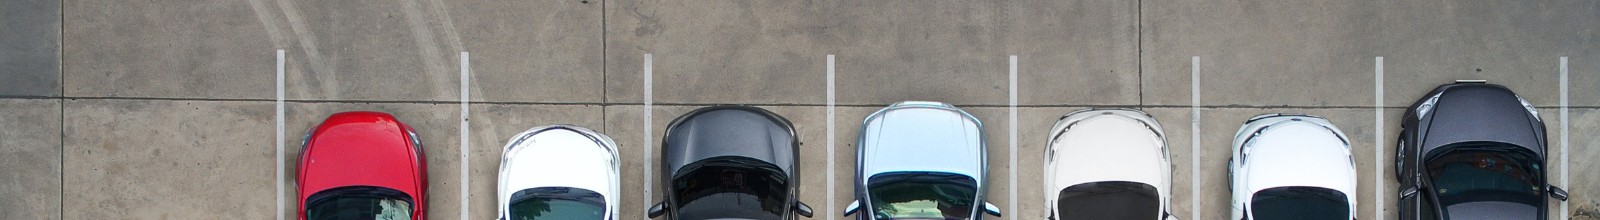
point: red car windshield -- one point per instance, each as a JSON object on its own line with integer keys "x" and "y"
{"x": 359, "y": 203}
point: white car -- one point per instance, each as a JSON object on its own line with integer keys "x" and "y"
{"x": 1291, "y": 167}
{"x": 558, "y": 172}
{"x": 1107, "y": 164}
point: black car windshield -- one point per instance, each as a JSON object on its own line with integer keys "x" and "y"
{"x": 1299, "y": 202}
{"x": 922, "y": 195}
{"x": 1486, "y": 172}
{"x": 730, "y": 188}
{"x": 1112, "y": 200}
{"x": 358, "y": 203}
{"x": 557, "y": 203}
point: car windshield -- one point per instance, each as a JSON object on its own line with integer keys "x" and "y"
{"x": 557, "y": 203}
{"x": 1110, "y": 200}
{"x": 922, "y": 195}
{"x": 358, "y": 203}
{"x": 1299, "y": 202}
{"x": 731, "y": 187}
{"x": 1486, "y": 172}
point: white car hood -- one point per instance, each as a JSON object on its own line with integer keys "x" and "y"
{"x": 1299, "y": 154}
{"x": 1108, "y": 148}
{"x": 560, "y": 158}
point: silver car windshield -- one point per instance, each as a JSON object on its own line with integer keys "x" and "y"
{"x": 922, "y": 195}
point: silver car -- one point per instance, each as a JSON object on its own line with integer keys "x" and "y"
{"x": 921, "y": 160}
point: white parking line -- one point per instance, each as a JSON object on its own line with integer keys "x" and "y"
{"x": 1377, "y": 143}
{"x": 648, "y": 132}
{"x": 1194, "y": 137}
{"x": 465, "y": 132}
{"x": 1013, "y": 139}
{"x": 279, "y": 151}
{"x": 1564, "y": 152}
{"x": 830, "y": 139}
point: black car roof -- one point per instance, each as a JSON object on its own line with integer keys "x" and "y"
{"x": 719, "y": 131}
{"x": 1468, "y": 112}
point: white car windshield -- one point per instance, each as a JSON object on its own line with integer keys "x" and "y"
{"x": 557, "y": 203}
{"x": 1299, "y": 202}
{"x": 1111, "y": 200}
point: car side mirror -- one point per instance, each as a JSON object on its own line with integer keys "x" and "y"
{"x": 851, "y": 209}
{"x": 802, "y": 209}
{"x": 1408, "y": 192}
{"x": 1169, "y": 216}
{"x": 1557, "y": 192}
{"x": 991, "y": 209}
{"x": 658, "y": 210}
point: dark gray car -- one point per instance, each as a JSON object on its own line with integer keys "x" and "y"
{"x": 1472, "y": 150}
{"x": 730, "y": 162}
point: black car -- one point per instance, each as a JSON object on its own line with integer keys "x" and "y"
{"x": 730, "y": 162}
{"x": 1472, "y": 150}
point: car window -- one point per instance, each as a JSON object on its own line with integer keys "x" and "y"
{"x": 358, "y": 203}
{"x": 731, "y": 187}
{"x": 1112, "y": 200}
{"x": 1299, "y": 202}
{"x": 557, "y": 203}
{"x": 1486, "y": 172}
{"x": 922, "y": 195}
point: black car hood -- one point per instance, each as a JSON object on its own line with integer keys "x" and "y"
{"x": 1481, "y": 112}
{"x": 729, "y": 131}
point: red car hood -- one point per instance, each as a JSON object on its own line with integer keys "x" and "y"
{"x": 361, "y": 149}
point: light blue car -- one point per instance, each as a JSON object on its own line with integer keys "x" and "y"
{"x": 921, "y": 160}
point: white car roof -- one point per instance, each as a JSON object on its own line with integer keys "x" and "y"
{"x": 1299, "y": 153}
{"x": 559, "y": 156}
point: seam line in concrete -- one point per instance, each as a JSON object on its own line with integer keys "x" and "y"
{"x": 1012, "y": 139}
{"x": 465, "y": 131}
{"x": 1194, "y": 137}
{"x": 648, "y": 132}
{"x": 830, "y": 138}
{"x": 279, "y": 150}
{"x": 347, "y": 101}
{"x": 1377, "y": 144}
{"x": 1565, "y": 182}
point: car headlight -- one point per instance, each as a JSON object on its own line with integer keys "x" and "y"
{"x": 1427, "y": 106}
{"x": 1529, "y": 107}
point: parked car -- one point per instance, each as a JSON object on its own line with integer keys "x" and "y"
{"x": 1291, "y": 167}
{"x": 558, "y": 172}
{"x": 921, "y": 160}
{"x": 1107, "y": 164}
{"x": 730, "y": 162}
{"x": 362, "y": 165}
{"x": 1473, "y": 150}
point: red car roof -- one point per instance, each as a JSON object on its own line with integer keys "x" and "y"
{"x": 362, "y": 149}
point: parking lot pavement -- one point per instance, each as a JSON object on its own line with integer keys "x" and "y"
{"x": 31, "y": 155}
{"x": 1584, "y": 171}
{"x": 143, "y": 159}
{"x": 160, "y": 49}
{"x": 32, "y": 49}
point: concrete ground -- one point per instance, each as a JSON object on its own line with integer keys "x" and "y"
{"x": 166, "y": 109}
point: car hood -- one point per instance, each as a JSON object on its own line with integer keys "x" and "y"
{"x": 729, "y": 131}
{"x": 1491, "y": 210}
{"x": 915, "y": 137}
{"x": 1299, "y": 153}
{"x": 360, "y": 149}
{"x": 559, "y": 156}
{"x": 1481, "y": 112}
{"x": 1107, "y": 148}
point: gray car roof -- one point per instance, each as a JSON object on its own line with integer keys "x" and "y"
{"x": 729, "y": 131}
{"x": 1481, "y": 112}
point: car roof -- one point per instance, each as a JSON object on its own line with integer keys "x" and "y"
{"x": 719, "y": 131}
{"x": 1481, "y": 112}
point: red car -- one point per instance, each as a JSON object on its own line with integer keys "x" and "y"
{"x": 362, "y": 165}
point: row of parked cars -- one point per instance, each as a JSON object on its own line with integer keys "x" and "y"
{"x": 1469, "y": 150}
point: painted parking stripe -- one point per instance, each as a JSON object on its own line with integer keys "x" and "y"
{"x": 1377, "y": 143}
{"x": 465, "y": 132}
{"x": 1194, "y": 137}
{"x": 648, "y": 163}
{"x": 1564, "y": 152}
{"x": 279, "y": 118}
{"x": 1012, "y": 141}
{"x": 830, "y": 139}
